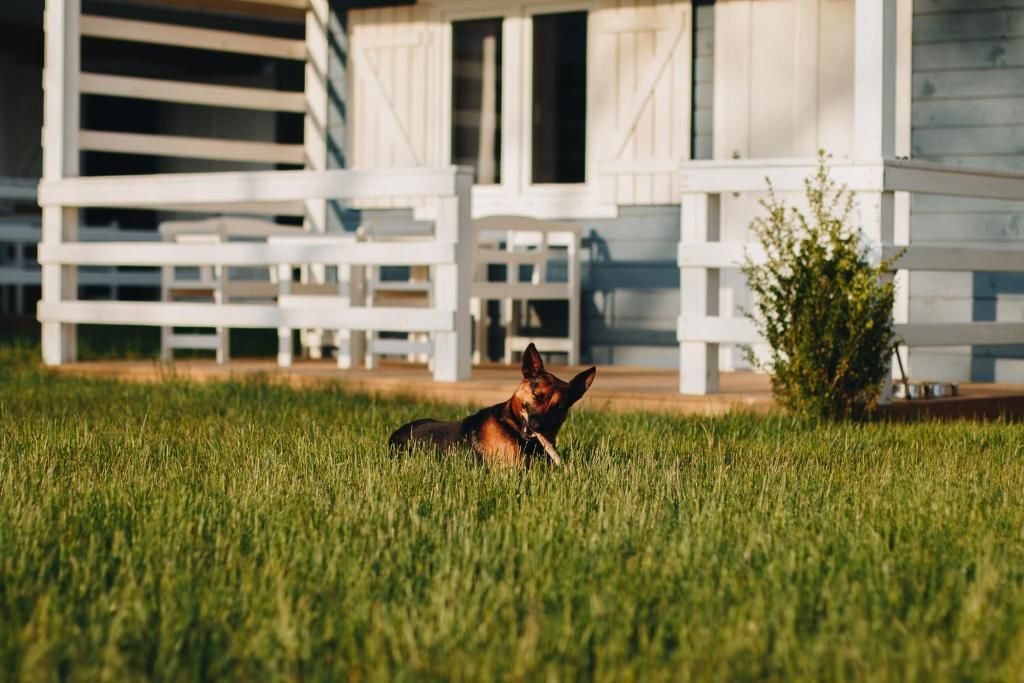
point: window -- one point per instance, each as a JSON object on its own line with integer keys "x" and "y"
{"x": 559, "y": 98}
{"x": 476, "y": 97}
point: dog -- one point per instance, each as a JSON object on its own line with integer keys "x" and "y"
{"x": 517, "y": 432}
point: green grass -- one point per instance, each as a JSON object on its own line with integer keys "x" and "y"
{"x": 251, "y": 532}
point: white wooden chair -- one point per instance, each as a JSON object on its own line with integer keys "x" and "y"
{"x": 517, "y": 242}
{"x": 414, "y": 291}
{"x": 214, "y": 283}
{"x": 511, "y": 241}
{"x": 347, "y": 289}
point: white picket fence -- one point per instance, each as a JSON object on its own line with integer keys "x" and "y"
{"x": 883, "y": 211}
{"x": 447, "y": 251}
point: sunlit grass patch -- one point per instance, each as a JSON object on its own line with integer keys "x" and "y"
{"x": 249, "y": 531}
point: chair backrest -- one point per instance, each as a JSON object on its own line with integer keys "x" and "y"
{"x": 227, "y": 227}
{"x": 515, "y": 241}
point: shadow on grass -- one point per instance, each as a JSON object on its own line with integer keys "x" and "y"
{"x": 127, "y": 342}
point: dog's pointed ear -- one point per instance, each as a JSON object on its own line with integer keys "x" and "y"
{"x": 533, "y": 366}
{"x": 581, "y": 382}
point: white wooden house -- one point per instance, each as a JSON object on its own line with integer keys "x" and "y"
{"x": 652, "y": 123}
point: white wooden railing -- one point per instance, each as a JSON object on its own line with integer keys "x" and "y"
{"x": 883, "y": 213}
{"x": 448, "y": 251}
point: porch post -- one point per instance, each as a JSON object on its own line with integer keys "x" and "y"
{"x": 315, "y": 124}
{"x": 698, "y": 292}
{"x": 60, "y": 160}
{"x": 874, "y": 118}
{"x": 453, "y": 353}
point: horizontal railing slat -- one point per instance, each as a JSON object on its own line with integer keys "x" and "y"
{"x": 263, "y": 99}
{"x": 202, "y": 189}
{"x": 877, "y": 175}
{"x": 961, "y": 334}
{"x": 920, "y": 256}
{"x": 246, "y": 254}
{"x": 742, "y": 331}
{"x": 175, "y": 35}
{"x": 253, "y": 316}
{"x": 190, "y": 147}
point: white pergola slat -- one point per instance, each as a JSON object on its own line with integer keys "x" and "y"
{"x": 262, "y": 99}
{"x": 155, "y": 33}
{"x": 185, "y": 189}
{"x": 254, "y": 316}
{"x": 425, "y": 253}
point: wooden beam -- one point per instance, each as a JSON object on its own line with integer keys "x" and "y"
{"x": 786, "y": 175}
{"x": 958, "y": 258}
{"x": 961, "y": 334}
{"x": 422, "y": 253}
{"x": 253, "y": 316}
{"x": 247, "y": 8}
{"x": 930, "y": 178}
{"x": 191, "y": 147}
{"x": 62, "y": 59}
{"x": 874, "y": 80}
{"x": 186, "y": 36}
{"x": 263, "y": 99}
{"x": 184, "y": 189}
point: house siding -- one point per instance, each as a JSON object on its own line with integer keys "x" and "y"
{"x": 968, "y": 110}
{"x": 701, "y": 144}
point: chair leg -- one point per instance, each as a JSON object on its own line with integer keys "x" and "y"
{"x": 372, "y": 359}
{"x": 509, "y": 314}
{"x": 284, "y": 347}
{"x": 478, "y": 309}
{"x": 223, "y": 345}
{"x": 166, "y": 352}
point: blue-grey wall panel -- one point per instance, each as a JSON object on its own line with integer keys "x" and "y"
{"x": 968, "y": 110}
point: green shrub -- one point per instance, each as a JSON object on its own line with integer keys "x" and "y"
{"x": 823, "y": 307}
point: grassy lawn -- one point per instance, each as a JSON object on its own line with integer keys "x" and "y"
{"x": 251, "y": 532}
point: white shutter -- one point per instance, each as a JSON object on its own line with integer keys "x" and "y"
{"x": 640, "y": 53}
{"x": 395, "y": 115}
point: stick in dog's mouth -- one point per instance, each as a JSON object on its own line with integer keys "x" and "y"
{"x": 549, "y": 447}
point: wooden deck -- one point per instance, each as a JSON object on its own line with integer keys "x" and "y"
{"x": 616, "y": 388}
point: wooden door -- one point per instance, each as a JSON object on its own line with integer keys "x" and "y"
{"x": 783, "y": 83}
{"x": 639, "y": 113}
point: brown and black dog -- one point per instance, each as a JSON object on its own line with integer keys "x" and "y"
{"x": 515, "y": 432}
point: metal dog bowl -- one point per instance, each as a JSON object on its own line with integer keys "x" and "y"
{"x": 913, "y": 391}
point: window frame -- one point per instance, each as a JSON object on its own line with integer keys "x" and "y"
{"x": 516, "y": 193}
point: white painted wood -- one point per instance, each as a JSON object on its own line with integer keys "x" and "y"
{"x": 875, "y": 31}
{"x": 317, "y": 106}
{"x": 786, "y": 175}
{"x": 192, "y": 147}
{"x": 420, "y": 252}
{"x": 698, "y": 358}
{"x": 697, "y": 331}
{"x": 199, "y": 38}
{"x": 296, "y": 4}
{"x": 384, "y": 110}
{"x": 966, "y": 258}
{"x": 259, "y": 316}
{"x": 640, "y": 122}
{"x": 186, "y": 189}
{"x": 262, "y": 99}
{"x": 931, "y": 178}
{"x": 60, "y": 160}
{"x": 452, "y": 351}
{"x": 965, "y": 333}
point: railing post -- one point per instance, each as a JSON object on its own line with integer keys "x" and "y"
{"x": 453, "y": 350}
{"x": 285, "y": 347}
{"x": 60, "y": 160}
{"x": 698, "y": 293}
